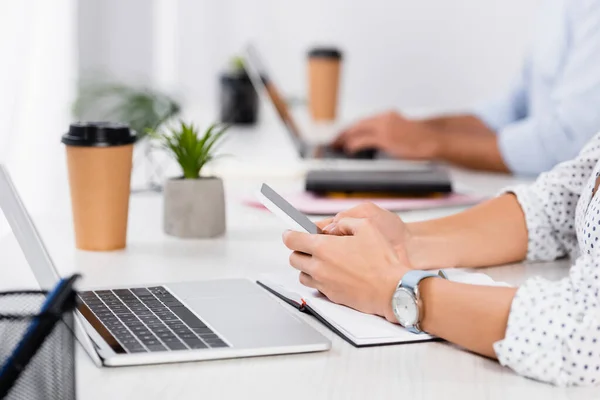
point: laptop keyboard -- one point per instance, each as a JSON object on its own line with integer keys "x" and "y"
{"x": 149, "y": 320}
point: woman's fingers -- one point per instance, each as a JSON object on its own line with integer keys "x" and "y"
{"x": 324, "y": 223}
{"x": 349, "y": 226}
{"x": 308, "y": 280}
{"x": 300, "y": 241}
{"x": 301, "y": 261}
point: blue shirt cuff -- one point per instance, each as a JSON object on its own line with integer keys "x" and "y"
{"x": 495, "y": 115}
{"x": 522, "y": 150}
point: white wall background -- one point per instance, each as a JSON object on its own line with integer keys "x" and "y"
{"x": 433, "y": 54}
{"x": 38, "y": 77}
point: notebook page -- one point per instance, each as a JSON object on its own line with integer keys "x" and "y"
{"x": 359, "y": 327}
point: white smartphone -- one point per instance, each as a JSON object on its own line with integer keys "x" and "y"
{"x": 294, "y": 219}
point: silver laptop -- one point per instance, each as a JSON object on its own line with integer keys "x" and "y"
{"x": 318, "y": 155}
{"x": 170, "y": 322}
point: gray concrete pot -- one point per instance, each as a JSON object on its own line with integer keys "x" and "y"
{"x": 194, "y": 208}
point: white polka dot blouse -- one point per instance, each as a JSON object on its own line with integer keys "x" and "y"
{"x": 553, "y": 331}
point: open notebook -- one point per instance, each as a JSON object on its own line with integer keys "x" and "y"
{"x": 360, "y": 330}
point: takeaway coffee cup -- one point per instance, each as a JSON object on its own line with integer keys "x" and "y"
{"x": 99, "y": 160}
{"x": 324, "y": 65}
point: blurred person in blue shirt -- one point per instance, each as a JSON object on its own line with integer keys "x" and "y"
{"x": 550, "y": 112}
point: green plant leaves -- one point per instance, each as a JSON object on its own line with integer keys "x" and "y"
{"x": 141, "y": 108}
{"x": 191, "y": 151}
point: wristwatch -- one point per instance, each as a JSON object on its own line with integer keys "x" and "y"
{"x": 406, "y": 302}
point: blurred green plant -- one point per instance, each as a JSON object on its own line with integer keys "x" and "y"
{"x": 191, "y": 151}
{"x": 143, "y": 109}
{"x": 236, "y": 65}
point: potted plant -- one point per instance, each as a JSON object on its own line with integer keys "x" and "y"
{"x": 194, "y": 205}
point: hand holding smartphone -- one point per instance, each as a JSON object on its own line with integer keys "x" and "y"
{"x": 294, "y": 219}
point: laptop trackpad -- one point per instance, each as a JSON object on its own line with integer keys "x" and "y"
{"x": 246, "y": 318}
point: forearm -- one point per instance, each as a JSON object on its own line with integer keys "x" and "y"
{"x": 457, "y": 123}
{"x": 464, "y": 140}
{"x": 471, "y": 150}
{"x": 491, "y": 233}
{"x": 474, "y": 317}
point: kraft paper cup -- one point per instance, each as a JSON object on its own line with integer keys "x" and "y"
{"x": 99, "y": 160}
{"x": 324, "y": 67}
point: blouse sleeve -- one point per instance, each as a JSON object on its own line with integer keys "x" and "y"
{"x": 553, "y": 331}
{"x": 549, "y": 204}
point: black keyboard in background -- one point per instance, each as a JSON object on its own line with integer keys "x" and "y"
{"x": 149, "y": 320}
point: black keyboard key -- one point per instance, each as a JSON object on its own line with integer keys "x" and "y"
{"x": 150, "y": 342}
{"x": 156, "y": 347}
{"x": 171, "y": 340}
{"x": 136, "y": 308}
{"x": 170, "y": 317}
{"x": 187, "y": 336}
{"x": 91, "y": 299}
{"x": 160, "y": 329}
{"x": 175, "y": 324}
{"x": 146, "y": 313}
{"x": 172, "y": 303}
{"x": 140, "y": 291}
{"x": 176, "y": 346}
{"x": 143, "y": 334}
{"x": 217, "y": 344}
{"x": 202, "y": 331}
{"x": 136, "y": 349}
{"x": 188, "y": 317}
{"x": 182, "y": 331}
{"x": 87, "y": 295}
{"x": 131, "y": 301}
{"x": 153, "y": 323}
{"x": 121, "y": 332}
{"x": 209, "y": 336}
{"x": 165, "y": 335}
{"x": 127, "y": 342}
{"x": 127, "y": 338}
{"x": 196, "y": 344}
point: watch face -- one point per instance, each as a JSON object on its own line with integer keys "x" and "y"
{"x": 405, "y": 307}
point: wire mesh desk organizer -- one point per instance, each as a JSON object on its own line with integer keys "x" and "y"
{"x": 37, "y": 343}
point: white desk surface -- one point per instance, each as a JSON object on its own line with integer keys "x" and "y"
{"x": 252, "y": 246}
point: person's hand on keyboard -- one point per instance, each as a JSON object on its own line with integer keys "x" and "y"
{"x": 392, "y": 133}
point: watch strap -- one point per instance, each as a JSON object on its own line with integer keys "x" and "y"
{"x": 411, "y": 279}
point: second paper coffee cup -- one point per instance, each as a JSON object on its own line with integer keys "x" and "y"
{"x": 99, "y": 160}
{"x": 324, "y": 65}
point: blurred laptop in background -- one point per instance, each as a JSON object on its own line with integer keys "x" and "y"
{"x": 318, "y": 155}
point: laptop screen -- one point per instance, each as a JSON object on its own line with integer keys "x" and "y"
{"x": 263, "y": 82}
